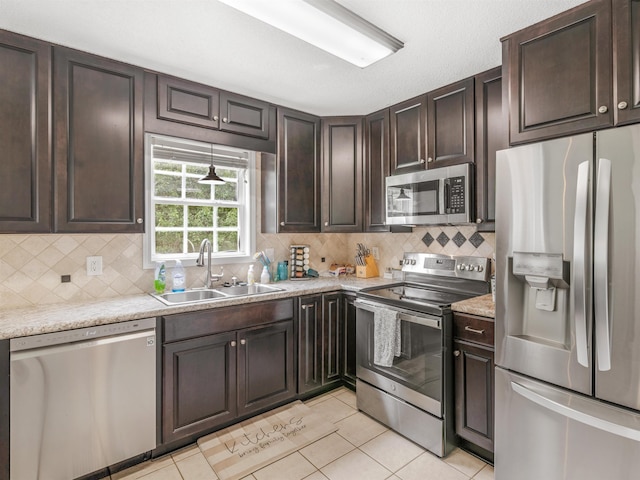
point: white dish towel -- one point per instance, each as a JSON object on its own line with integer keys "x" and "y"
{"x": 386, "y": 336}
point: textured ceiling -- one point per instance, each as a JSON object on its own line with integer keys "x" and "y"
{"x": 211, "y": 43}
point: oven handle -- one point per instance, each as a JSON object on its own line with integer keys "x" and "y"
{"x": 431, "y": 321}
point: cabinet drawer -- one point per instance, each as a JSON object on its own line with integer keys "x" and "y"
{"x": 473, "y": 328}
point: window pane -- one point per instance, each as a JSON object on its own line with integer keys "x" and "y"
{"x": 167, "y": 186}
{"x": 168, "y": 242}
{"x": 169, "y": 215}
{"x": 168, "y": 166}
{"x": 198, "y": 190}
{"x": 200, "y": 216}
{"x": 227, "y": 173}
{"x": 227, "y": 241}
{"x": 198, "y": 169}
{"x": 227, "y": 217}
{"x": 195, "y": 239}
{"x": 227, "y": 191}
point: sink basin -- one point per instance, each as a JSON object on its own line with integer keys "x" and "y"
{"x": 238, "y": 290}
{"x": 190, "y": 296}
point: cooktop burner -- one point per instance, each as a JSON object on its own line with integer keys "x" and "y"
{"x": 417, "y": 294}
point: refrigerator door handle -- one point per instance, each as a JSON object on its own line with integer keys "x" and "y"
{"x": 601, "y": 265}
{"x": 560, "y": 405}
{"x": 580, "y": 263}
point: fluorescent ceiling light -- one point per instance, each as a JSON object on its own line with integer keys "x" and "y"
{"x": 325, "y": 24}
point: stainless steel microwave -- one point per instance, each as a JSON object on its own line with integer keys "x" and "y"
{"x": 438, "y": 196}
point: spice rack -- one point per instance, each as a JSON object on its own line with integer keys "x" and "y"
{"x": 299, "y": 262}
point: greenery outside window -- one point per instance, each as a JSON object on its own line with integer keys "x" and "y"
{"x": 182, "y": 212}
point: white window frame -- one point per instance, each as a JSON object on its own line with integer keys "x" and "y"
{"x": 247, "y": 212}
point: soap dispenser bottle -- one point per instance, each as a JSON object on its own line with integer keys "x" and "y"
{"x": 250, "y": 276}
{"x": 178, "y": 277}
{"x": 265, "y": 277}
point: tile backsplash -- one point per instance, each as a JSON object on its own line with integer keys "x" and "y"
{"x": 31, "y": 266}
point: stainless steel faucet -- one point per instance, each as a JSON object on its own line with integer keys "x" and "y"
{"x": 211, "y": 277}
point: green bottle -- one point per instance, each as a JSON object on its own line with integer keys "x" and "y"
{"x": 160, "y": 281}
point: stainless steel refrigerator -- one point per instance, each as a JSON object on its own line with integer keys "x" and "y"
{"x": 568, "y": 308}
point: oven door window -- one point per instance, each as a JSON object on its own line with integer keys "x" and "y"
{"x": 413, "y": 199}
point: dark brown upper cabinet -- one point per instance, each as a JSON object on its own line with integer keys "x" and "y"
{"x": 98, "y": 149}
{"x": 376, "y": 169}
{"x": 450, "y": 112}
{"x": 559, "y": 74}
{"x": 626, "y": 51}
{"x": 409, "y": 135}
{"x": 342, "y": 174}
{"x": 25, "y": 139}
{"x": 491, "y": 135}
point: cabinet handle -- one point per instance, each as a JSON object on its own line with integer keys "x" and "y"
{"x": 233, "y": 343}
{"x": 304, "y": 307}
{"x": 622, "y": 105}
{"x": 603, "y": 109}
{"x": 456, "y": 353}
{"x": 215, "y": 118}
{"x": 139, "y": 220}
{"x": 479, "y": 220}
{"x": 467, "y": 328}
{"x": 243, "y": 342}
{"x": 225, "y": 120}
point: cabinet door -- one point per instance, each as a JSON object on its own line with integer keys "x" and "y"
{"x": 332, "y": 338}
{"x": 474, "y": 393}
{"x": 451, "y": 124}
{"x": 491, "y": 136}
{"x": 188, "y": 102}
{"x": 342, "y": 174}
{"x": 98, "y": 144}
{"x": 626, "y": 25}
{"x": 298, "y": 172}
{"x": 349, "y": 339}
{"x": 199, "y": 385}
{"x": 376, "y": 169}
{"x": 559, "y": 74}
{"x": 244, "y": 115}
{"x": 408, "y": 135}
{"x": 265, "y": 366}
{"x": 310, "y": 343}
{"x": 25, "y": 161}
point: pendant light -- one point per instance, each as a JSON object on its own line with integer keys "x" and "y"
{"x": 403, "y": 196}
{"x": 212, "y": 177}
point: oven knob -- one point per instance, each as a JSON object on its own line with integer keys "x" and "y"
{"x": 413, "y": 261}
{"x": 462, "y": 267}
{"x": 472, "y": 268}
{"x": 479, "y": 268}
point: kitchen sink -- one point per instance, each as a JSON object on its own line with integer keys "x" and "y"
{"x": 206, "y": 294}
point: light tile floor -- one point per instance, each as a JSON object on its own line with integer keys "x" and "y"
{"x": 361, "y": 449}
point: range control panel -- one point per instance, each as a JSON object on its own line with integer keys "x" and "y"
{"x": 471, "y": 268}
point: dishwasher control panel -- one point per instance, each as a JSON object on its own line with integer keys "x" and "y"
{"x": 83, "y": 334}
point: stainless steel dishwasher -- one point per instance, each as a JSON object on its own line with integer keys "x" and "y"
{"x": 82, "y": 400}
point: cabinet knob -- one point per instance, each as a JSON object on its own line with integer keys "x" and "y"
{"x": 139, "y": 220}
{"x": 215, "y": 118}
{"x": 326, "y": 224}
{"x": 282, "y": 224}
{"x": 422, "y": 160}
{"x": 603, "y": 109}
{"x": 429, "y": 159}
{"x": 622, "y": 105}
{"x": 456, "y": 353}
{"x": 304, "y": 307}
{"x": 233, "y": 343}
{"x": 243, "y": 342}
{"x": 479, "y": 220}
{"x": 225, "y": 120}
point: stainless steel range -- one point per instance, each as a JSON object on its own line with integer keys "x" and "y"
{"x": 404, "y": 346}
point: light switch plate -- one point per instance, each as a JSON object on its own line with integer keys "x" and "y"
{"x": 94, "y": 265}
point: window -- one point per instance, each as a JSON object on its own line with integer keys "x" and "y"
{"x": 182, "y": 212}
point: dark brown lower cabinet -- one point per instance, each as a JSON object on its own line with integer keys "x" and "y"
{"x": 215, "y": 371}
{"x": 349, "y": 336}
{"x": 474, "y": 386}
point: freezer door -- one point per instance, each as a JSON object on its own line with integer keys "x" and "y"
{"x": 543, "y": 274}
{"x": 544, "y": 432}
{"x": 617, "y": 266}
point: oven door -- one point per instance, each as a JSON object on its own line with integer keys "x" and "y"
{"x": 415, "y": 372}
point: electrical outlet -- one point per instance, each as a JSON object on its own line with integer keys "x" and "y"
{"x": 375, "y": 252}
{"x": 94, "y": 265}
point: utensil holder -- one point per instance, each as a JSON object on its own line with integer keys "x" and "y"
{"x": 370, "y": 269}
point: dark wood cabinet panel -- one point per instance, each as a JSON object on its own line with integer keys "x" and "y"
{"x": 626, "y": 37}
{"x": 98, "y": 150}
{"x": 332, "y": 332}
{"x": 244, "y": 115}
{"x": 491, "y": 135}
{"x": 199, "y": 385}
{"x": 376, "y": 169}
{"x": 5, "y": 370}
{"x": 408, "y": 135}
{"x": 559, "y": 74}
{"x": 266, "y": 373}
{"x": 349, "y": 339}
{"x": 342, "y": 174}
{"x": 25, "y": 159}
{"x": 191, "y": 103}
{"x": 450, "y": 123}
{"x": 298, "y": 199}
{"x": 310, "y": 349}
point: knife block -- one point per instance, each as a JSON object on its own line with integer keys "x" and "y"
{"x": 370, "y": 269}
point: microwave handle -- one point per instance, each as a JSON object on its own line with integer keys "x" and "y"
{"x": 444, "y": 196}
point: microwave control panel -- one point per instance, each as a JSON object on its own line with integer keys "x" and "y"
{"x": 454, "y": 195}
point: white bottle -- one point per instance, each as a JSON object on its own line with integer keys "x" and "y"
{"x": 250, "y": 278}
{"x": 265, "y": 277}
{"x": 177, "y": 275}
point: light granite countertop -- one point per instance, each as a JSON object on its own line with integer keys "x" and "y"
{"x": 58, "y": 317}
{"x": 482, "y": 306}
